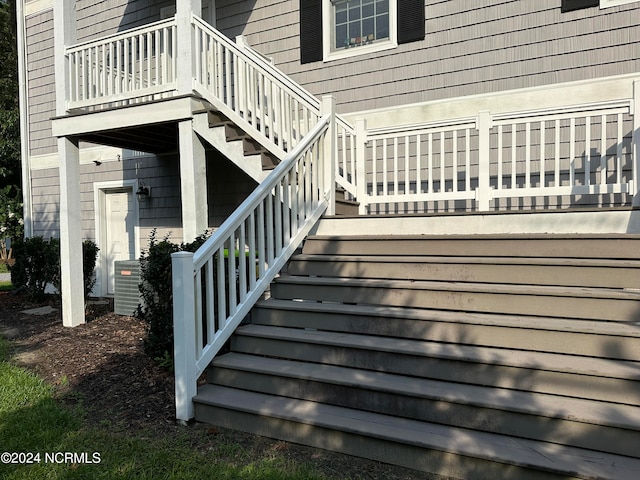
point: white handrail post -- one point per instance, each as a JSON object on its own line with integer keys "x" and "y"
{"x": 636, "y": 143}
{"x": 64, "y": 31}
{"x": 184, "y": 334}
{"x": 330, "y": 153}
{"x": 361, "y": 175}
{"x": 186, "y": 50}
{"x": 483, "y": 193}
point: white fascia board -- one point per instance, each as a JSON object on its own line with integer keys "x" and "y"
{"x": 145, "y": 114}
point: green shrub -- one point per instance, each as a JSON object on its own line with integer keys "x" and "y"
{"x": 37, "y": 264}
{"x": 89, "y": 257}
{"x": 157, "y": 295}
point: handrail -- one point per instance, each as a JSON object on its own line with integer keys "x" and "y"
{"x": 212, "y": 295}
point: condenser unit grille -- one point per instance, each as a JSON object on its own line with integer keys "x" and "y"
{"x": 127, "y": 294}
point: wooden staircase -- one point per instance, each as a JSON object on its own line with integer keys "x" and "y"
{"x": 466, "y": 356}
{"x": 251, "y": 157}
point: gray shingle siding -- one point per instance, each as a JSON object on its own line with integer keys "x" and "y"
{"x": 40, "y": 68}
{"x": 470, "y": 48}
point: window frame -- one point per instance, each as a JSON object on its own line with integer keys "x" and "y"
{"x": 328, "y": 26}
{"x": 614, "y": 3}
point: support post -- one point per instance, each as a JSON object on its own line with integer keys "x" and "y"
{"x": 636, "y": 144}
{"x": 361, "y": 172}
{"x": 193, "y": 182}
{"x": 72, "y": 284}
{"x": 483, "y": 192}
{"x": 330, "y": 152}
{"x": 184, "y": 334}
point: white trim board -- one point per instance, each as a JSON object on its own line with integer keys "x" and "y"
{"x": 100, "y": 190}
{"x": 561, "y": 222}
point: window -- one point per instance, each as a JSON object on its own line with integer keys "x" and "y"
{"x": 332, "y": 29}
{"x": 360, "y": 23}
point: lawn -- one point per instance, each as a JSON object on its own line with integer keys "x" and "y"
{"x": 55, "y": 438}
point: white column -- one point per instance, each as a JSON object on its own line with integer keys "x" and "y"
{"x": 186, "y": 55}
{"x": 70, "y": 234}
{"x": 361, "y": 168}
{"x": 330, "y": 153}
{"x": 483, "y": 193}
{"x": 64, "y": 25}
{"x": 636, "y": 143}
{"x": 193, "y": 182}
{"x": 64, "y": 35}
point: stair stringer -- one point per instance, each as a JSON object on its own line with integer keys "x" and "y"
{"x": 233, "y": 150}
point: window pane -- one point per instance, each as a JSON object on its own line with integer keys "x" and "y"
{"x": 342, "y": 38}
{"x": 382, "y": 27}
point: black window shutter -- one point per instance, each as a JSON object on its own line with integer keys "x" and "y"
{"x": 310, "y": 31}
{"x": 569, "y": 5}
{"x": 410, "y": 20}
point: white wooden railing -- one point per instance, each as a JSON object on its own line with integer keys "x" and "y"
{"x": 139, "y": 64}
{"x": 260, "y": 99}
{"x": 211, "y": 295}
{"x": 572, "y": 151}
{"x": 248, "y": 90}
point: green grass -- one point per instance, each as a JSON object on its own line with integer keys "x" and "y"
{"x": 32, "y": 420}
{"x": 3, "y": 267}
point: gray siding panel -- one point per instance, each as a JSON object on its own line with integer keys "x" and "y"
{"x": 40, "y": 69}
{"x": 470, "y": 48}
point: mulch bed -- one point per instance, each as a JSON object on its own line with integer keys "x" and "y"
{"x": 102, "y": 366}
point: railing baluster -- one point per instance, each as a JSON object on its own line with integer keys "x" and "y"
{"x": 527, "y": 155}
{"x": 231, "y": 274}
{"x": 210, "y": 296}
{"x": 618, "y": 162}
{"x": 587, "y": 151}
{"x": 454, "y": 161}
{"x": 418, "y": 164}
{"x": 542, "y": 153}
{"x": 220, "y": 287}
{"x": 556, "y": 172}
{"x": 603, "y": 150}
{"x": 430, "y": 162}
{"x": 198, "y": 307}
{"x": 572, "y": 152}
{"x": 242, "y": 262}
{"x": 514, "y": 153}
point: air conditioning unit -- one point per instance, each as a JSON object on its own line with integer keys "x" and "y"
{"x": 127, "y": 295}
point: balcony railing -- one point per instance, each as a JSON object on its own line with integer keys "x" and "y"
{"x": 129, "y": 67}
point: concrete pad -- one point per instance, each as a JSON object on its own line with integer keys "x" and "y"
{"x": 46, "y": 310}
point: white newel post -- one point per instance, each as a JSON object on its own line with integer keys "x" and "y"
{"x": 361, "y": 175}
{"x": 184, "y": 334}
{"x": 186, "y": 54}
{"x": 483, "y": 193}
{"x": 331, "y": 145}
{"x": 636, "y": 143}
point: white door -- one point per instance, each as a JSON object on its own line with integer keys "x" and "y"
{"x": 120, "y": 231}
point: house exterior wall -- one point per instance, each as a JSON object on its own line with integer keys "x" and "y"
{"x": 41, "y": 84}
{"x": 470, "y": 48}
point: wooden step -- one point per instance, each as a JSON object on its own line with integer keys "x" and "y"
{"x": 568, "y": 421}
{"x": 539, "y": 245}
{"x": 457, "y": 452}
{"x": 613, "y": 381}
{"x": 605, "y": 273}
{"x": 614, "y": 340}
{"x": 571, "y": 302}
